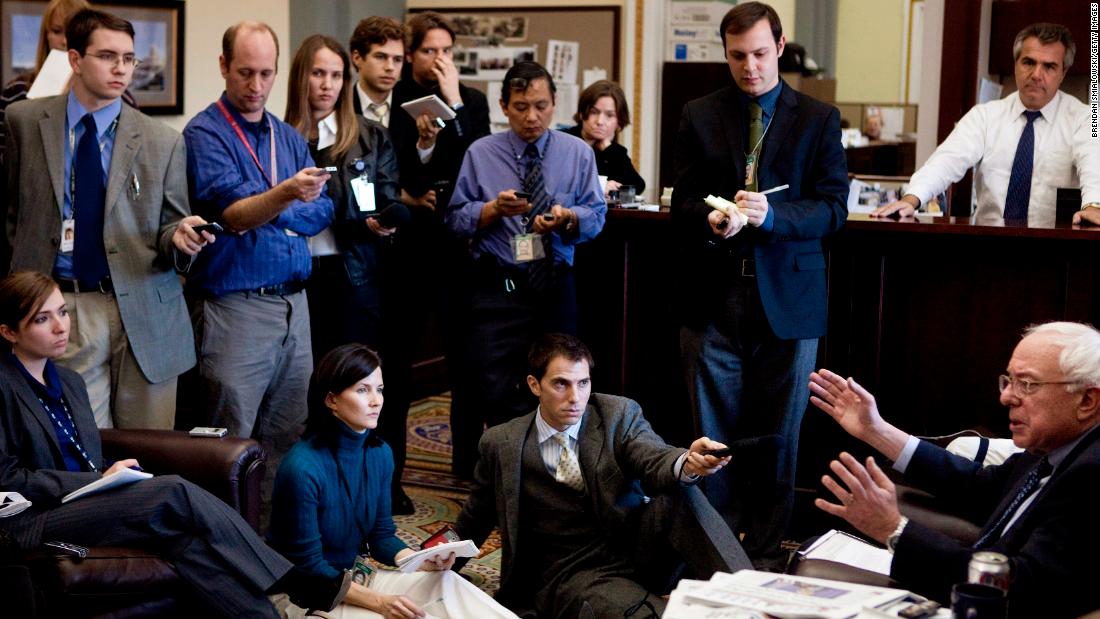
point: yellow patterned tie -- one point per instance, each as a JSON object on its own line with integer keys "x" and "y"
{"x": 756, "y": 135}
{"x": 569, "y": 469}
{"x": 379, "y": 110}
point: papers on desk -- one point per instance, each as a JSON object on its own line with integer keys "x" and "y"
{"x": 118, "y": 478}
{"x": 462, "y": 549}
{"x": 751, "y": 594}
{"x": 53, "y": 78}
{"x": 850, "y": 550}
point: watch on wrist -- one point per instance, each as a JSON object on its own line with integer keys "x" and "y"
{"x": 896, "y": 535}
{"x": 458, "y": 105}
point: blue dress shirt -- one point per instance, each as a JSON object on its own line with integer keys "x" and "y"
{"x": 221, "y": 172}
{"x": 495, "y": 163}
{"x": 105, "y": 131}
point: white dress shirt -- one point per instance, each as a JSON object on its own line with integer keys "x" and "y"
{"x": 365, "y": 101}
{"x": 986, "y": 138}
{"x": 324, "y": 244}
{"x": 551, "y": 449}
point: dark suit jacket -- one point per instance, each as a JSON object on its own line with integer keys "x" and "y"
{"x": 1053, "y": 546}
{"x": 470, "y": 123}
{"x": 801, "y": 148}
{"x": 30, "y": 455}
{"x": 137, "y": 225}
{"x": 619, "y": 455}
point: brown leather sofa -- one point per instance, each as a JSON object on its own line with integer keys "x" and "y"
{"x": 130, "y": 582}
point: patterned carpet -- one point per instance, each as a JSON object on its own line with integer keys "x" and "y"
{"x": 438, "y": 495}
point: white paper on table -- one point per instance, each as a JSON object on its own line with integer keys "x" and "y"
{"x": 462, "y": 549}
{"x": 53, "y": 77}
{"x": 850, "y": 550}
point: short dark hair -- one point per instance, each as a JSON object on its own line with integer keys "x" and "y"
{"x": 520, "y": 76}
{"x": 341, "y": 368}
{"x": 553, "y": 345}
{"x": 598, "y": 90}
{"x": 743, "y": 17}
{"x": 229, "y": 39}
{"x": 22, "y": 294}
{"x": 83, "y": 23}
{"x": 420, "y": 24}
{"x": 376, "y": 30}
{"x": 1048, "y": 34}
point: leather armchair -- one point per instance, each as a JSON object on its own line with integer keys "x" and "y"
{"x": 920, "y": 507}
{"x": 129, "y": 582}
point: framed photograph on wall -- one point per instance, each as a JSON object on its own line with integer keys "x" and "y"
{"x": 157, "y": 83}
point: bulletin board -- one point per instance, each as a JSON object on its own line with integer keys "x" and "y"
{"x": 596, "y": 28}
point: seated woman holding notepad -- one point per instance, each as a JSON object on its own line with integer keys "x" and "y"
{"x": 331, "y": 504}
{"x": 50, "y": 446}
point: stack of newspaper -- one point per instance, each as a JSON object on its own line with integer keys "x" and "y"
{"x": 749, "y": 594}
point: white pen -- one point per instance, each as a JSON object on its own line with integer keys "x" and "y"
{"x": 775, "y": 189}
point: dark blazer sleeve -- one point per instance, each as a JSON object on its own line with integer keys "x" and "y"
{"x": 470, "y": 123}
{"x": 1051, "y": 547}
{"x": 640, "y": 452}
{"x": 30, "y": 463}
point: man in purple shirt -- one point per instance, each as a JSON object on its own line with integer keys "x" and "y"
{"x": 253, "y": 174}
{"x": 524, "y": 198}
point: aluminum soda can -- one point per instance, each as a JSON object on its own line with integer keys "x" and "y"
{"x": 990, "y": 568}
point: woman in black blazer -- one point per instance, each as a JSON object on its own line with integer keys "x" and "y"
{"x": 49, "y": 446}
{"x": 601, "y": 114}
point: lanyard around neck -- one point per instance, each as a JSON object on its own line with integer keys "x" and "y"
{"x": 274, "y": 178}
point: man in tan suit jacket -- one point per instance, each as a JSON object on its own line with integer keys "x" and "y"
{"x": 113, "y": 244}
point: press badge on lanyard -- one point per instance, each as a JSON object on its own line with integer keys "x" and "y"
{"x": 362, "y": 573}
{"x": 363, "y": 190}
{"x": 274, "y": 178}
{"x": 528, "y": 247}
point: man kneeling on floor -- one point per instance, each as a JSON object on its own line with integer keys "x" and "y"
{"x": 568, "y": 484}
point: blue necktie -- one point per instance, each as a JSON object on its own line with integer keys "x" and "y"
{"x": 89, "y": 192}
{"x": 1019, "y": 184}
{"x": 1031, "y": 483}
{"x": 540, "y": 273}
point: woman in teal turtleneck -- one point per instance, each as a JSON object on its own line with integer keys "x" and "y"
{"x": 332, "y": 502}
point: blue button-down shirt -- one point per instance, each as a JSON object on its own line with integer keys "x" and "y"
{"x": 496, "y": 163}
{"x": 74, "y": 130}
{"x": 221, "y": 172}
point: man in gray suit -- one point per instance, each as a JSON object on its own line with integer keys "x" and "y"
{"x": 113, "y": 236}
{"x": 568, "y": 484}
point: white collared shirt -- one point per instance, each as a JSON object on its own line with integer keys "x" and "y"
{"x": 324, "y": 243}
{"x": 986, "y": 138}
{"x": 365, "y": 101}
{"x": 551, "y": 450}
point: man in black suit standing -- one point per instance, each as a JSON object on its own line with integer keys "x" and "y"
{"x": 1037, "y": 507}
{"x": 754, "y": 296}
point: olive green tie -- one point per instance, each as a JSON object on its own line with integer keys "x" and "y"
{"x": 756, "y": 134}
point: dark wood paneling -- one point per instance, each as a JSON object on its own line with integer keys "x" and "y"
{"x": 1010, "y": 17}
